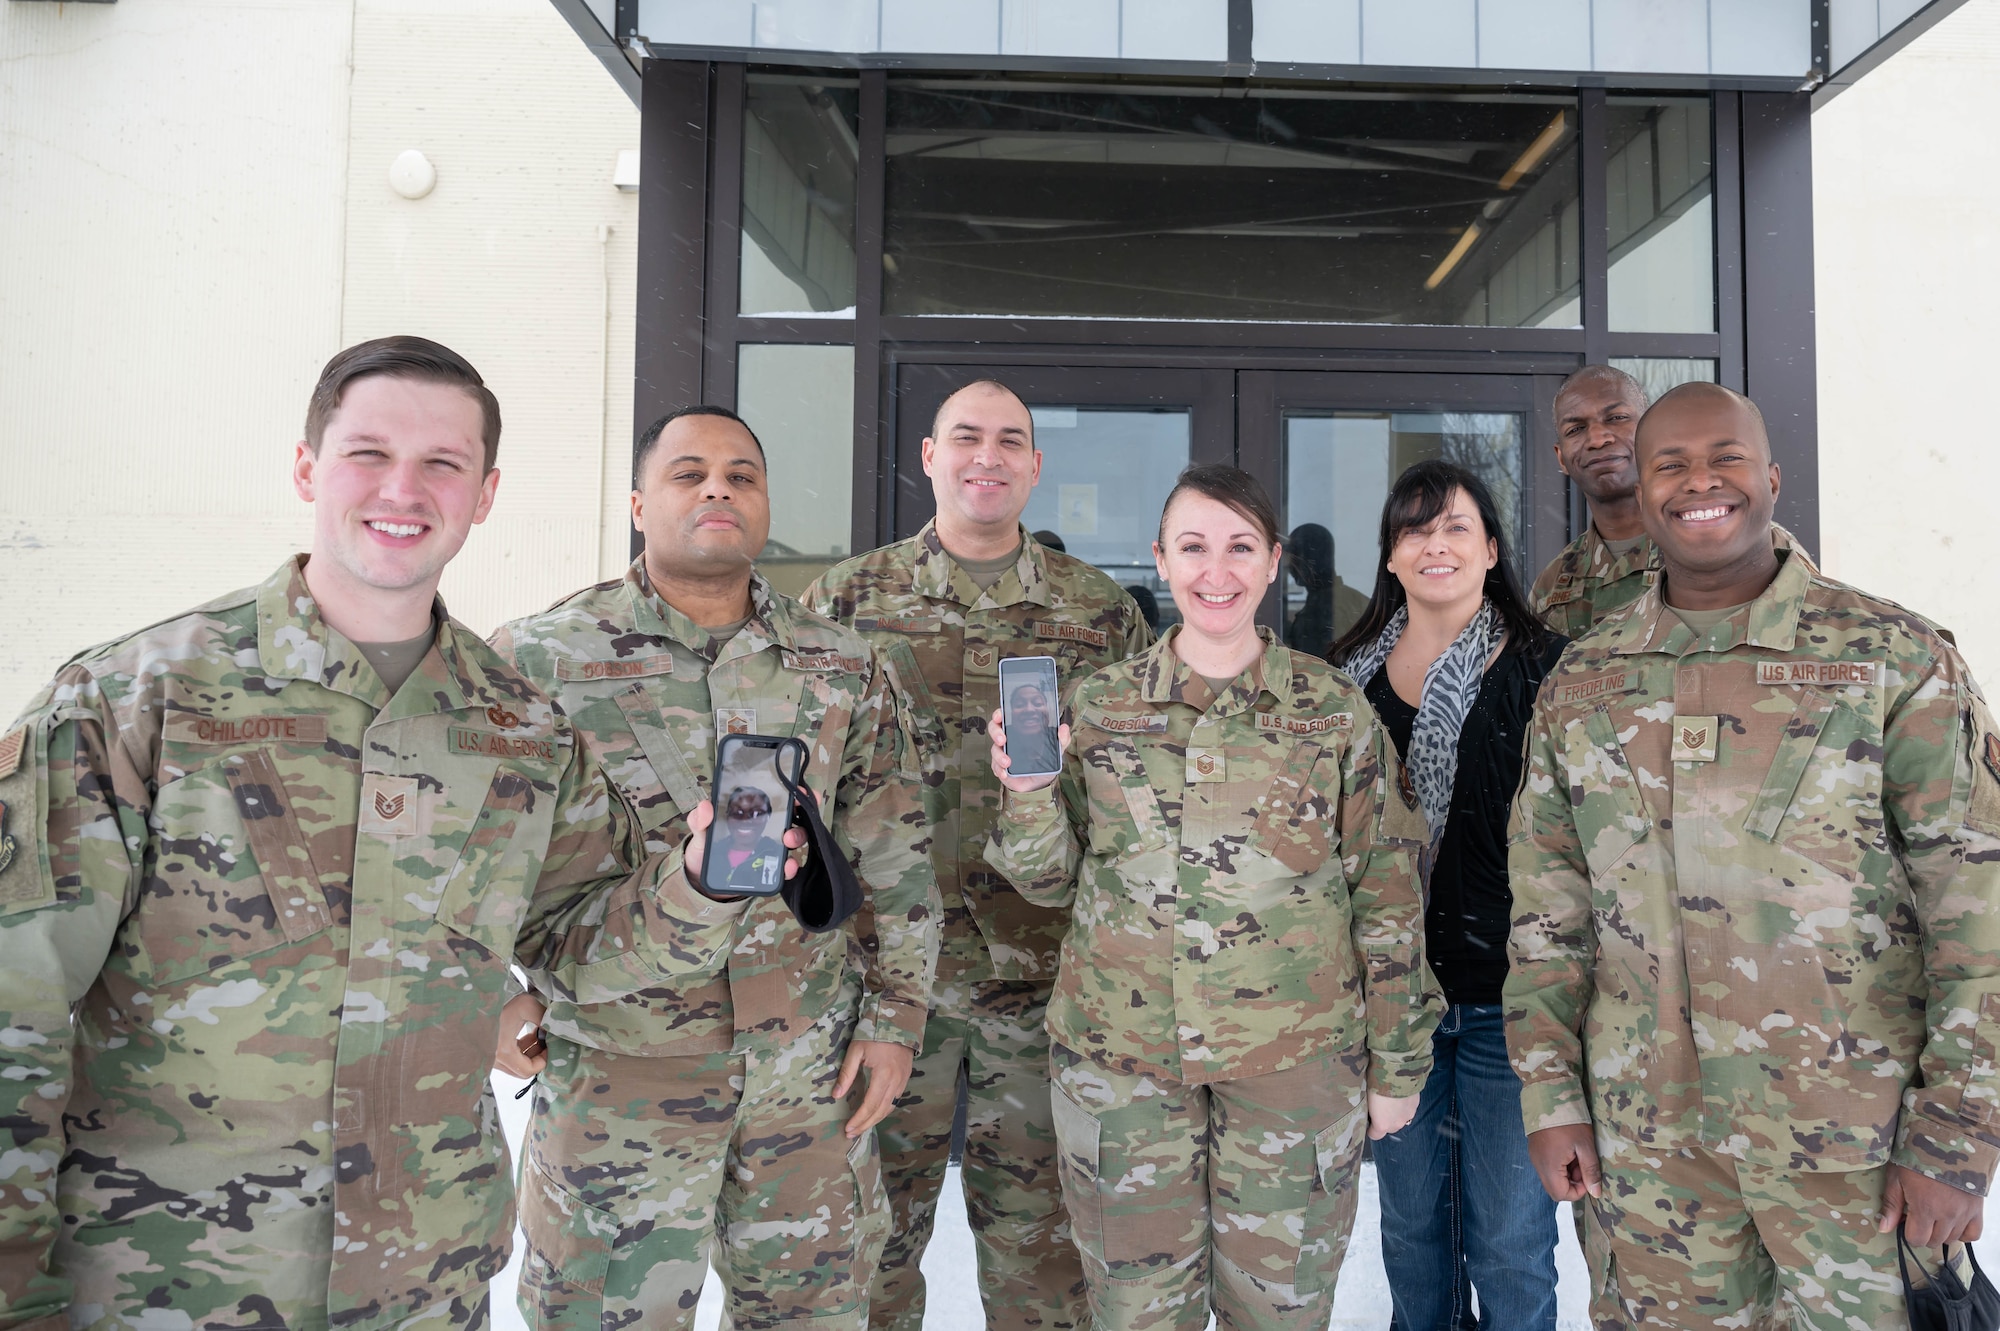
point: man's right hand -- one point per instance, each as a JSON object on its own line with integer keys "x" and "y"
{"x": 998, "y": 733}
{"x": 521, "y": 1053}
{"x": 1566, "y": 1160}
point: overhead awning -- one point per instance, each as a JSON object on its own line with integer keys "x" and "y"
{"x": 1819, "y": 46}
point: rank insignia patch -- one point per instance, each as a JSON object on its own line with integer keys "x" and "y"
{"x": 1694, "y": 738}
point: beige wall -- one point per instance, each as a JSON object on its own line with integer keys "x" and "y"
{"x": 1906, "y": 176}
{"x": 195, "y": 213}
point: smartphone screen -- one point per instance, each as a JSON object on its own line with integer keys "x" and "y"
{"x": 746, "y": 842}
{"x": 1028, "y": 700}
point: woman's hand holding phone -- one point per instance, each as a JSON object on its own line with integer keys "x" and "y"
{"x": 996, "y": 730}
{"x": 699, "y": 818}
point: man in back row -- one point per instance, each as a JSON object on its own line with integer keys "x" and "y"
{"x": 1613, "y": 560}
{"x": 943, "y": 608}
{"x": 263, "y": 867}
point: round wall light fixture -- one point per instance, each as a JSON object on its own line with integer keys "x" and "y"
{"x": 412, "y": 175}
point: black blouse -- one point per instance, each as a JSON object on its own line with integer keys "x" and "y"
{"x": 1471, "y": 906}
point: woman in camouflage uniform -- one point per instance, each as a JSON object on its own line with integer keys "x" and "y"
{"x": 1242, "y": 992}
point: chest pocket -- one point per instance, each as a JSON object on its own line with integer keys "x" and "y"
{"x": 487, "y": 890}
{"x": 1610, "y": 813}
{"x": 1125, "y": 814}
{"x": 1295, "y": 814}
{"x": 1824, "y": 786}
{"x": 232, "y": 874}
{"x": 673, "y": 787}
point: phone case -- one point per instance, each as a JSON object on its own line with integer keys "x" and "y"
{"x": 745, "y": 855}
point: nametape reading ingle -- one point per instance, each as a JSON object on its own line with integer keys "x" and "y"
{"x": 1059, "y": 632}
{"x": 1306, "y": 725}
{"x": 1597, "y": 686}
{"x": 246, "y": 729}
{"x": 486, "y": 744}
{"x": 898, "y": 624}
{"x": 643, "y": 665}
{"x": 1820, "y": 672}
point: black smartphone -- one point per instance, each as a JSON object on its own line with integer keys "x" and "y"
{"x": 745, "y": 856}
{"x": 1028, "y": 701}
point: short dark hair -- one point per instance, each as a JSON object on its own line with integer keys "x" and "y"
{"x": 1634, "y": 391}
{"x": 644, "y": 448}
{"x": 995, "y": 384}
{"x": 401, "y": 357}
{"x": 1228, "y": 485}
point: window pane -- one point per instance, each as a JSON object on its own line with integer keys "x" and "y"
{"x": 800, "y": 402}
{"x": 1362, "y": 208}
{"x": 1656, "y": 376}
{"x": 1338, "y": 470}
{"x": 1106, "y": 474}
{"x": 1660, "y": 202}
{"x": 799, "y": 153}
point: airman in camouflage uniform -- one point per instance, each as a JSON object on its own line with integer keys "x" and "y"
{"x": 257, "y": 911}
{"x": 1245, "y": 961}
{"x": 1597, "y": 415}
{"x": 1756, "y": 950}
{"x": 944, "y": 636}
{"x": 707, "y": 1110}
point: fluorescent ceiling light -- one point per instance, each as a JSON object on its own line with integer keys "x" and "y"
{"x": 1540, "y": 148}
{"x": 1451, "y": 260}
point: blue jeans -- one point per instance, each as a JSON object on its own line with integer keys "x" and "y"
{"x": 1461, "y": 1206}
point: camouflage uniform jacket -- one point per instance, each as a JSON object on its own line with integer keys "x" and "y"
{"x": 1757, "y": 888}
{"x": 944, "y": 639}
{"x": 280, "y": 906}
{"x": 1243, "y": 875}
{"x": 1587, "y": 581}
{"x": 635, "y": 677}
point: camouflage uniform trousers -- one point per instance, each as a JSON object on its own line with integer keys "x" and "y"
{"x": 989, "y": 1034}
{"x": 1694, "y": 1239}
{"x": 1235, "y": 1197}
{"x": 638, "y": 1170}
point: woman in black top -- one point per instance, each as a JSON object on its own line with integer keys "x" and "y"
{"x": 1451, "y": 657}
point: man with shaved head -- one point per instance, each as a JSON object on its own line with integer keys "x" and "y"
{"x": 1755, "y": 988}
{"x": 1597, "y": 414}
{"x": 943, "y": 608}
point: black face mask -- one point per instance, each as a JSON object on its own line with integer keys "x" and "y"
{"x": 1947, "y": 1303}
{"x": 824, "y": 892}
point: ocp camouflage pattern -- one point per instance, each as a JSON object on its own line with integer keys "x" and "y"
{"x": 1242, "y": 875}
{"x": 1588, "y": 580}
{"x": 944, "y": 640}
{"x": 1757, "y": 889}
{"x": 281, "y": 906}
{"x": 651, "y": 693}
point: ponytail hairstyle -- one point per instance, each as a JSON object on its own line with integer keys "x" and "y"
{"x": 1419, "y": 497}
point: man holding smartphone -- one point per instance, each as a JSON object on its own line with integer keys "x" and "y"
{"x": 685, "y": 1113}
{"x": 944, "y": 608}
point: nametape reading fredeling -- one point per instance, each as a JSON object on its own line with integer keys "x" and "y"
{"x": 638, "y": 666}
{"x": 1055, "y": 631}
{"x": 272, "y": 729}
{"x": 1589, "y": 690}
{"x": 1867, "y": 673}
{"x": 898, "y": 624}
{"x": 1306, "y": 725}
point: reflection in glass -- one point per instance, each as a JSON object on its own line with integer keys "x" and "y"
{"x": 1339, "y": 466}
{"x": 799, "y": 153}
{"x": 1657, "y": 375}
{"x": 1106, "y": 472}
{"x": 800, "y": 402}
{"x": 1358, "y": 207}
{"x": 1660, "y": 206}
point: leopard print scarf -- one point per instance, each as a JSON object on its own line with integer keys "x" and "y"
{"x": 1450, "y": 688}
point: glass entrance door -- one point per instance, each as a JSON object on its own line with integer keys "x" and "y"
{"x": 1331, "y": 444}
{"x": 1112, "y": 442}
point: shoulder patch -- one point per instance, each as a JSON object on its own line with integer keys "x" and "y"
{"x": 1570, "y": 692}
{"x": 11, "y": 748}
{"x": 662, "y": 664}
